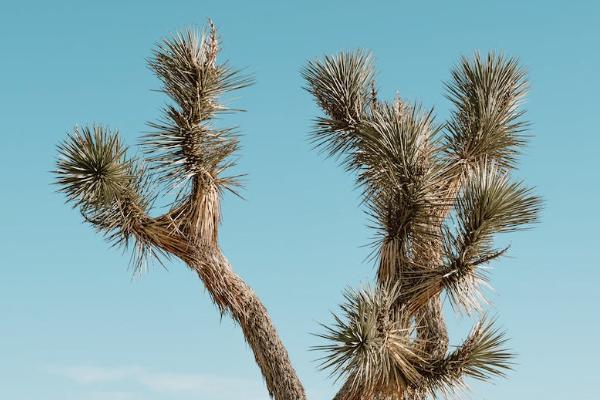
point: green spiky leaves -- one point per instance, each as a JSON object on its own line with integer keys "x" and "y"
{"x": 341, "y": 85}
{"x": 110, "y": 190}
{"x": 483, "y": 355}
{"x": 370, "y": 344}
{"x": 437, "y": 198}
{"x": 113, "y": 193}
{"x": 487, "y": 93}
{"x": 183, "y": 143}
{"x": 400, "y": 177}
{"x": 392, "y": 147}
{"x": 91, "y": 167}
{"x": 488, "y": 204}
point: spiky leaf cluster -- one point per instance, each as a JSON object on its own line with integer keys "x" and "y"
{"x": 184, "y": 144}
{"x": 489, "y": 203}
{"x": 401, "y": 179}
{"x": 342, "y": 86}
{"x": 482, "y": 355}
{"x": 110, "y": 190}
{"x": 486, "y": 123}
{"x": 114, "y": 193}
{"x": 370, "y": 344}
{"x": 91, "y": 167}
{"x": 438, "y": 195}
{"x": 392, "y": 148}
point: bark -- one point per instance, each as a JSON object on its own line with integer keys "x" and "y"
{"x": 344, "y": 393}
{"x": 191, "y": 233}
{"x": 431, "y": 328}
{"x": 234, "y": 297}
{"x": 196, "y": 244}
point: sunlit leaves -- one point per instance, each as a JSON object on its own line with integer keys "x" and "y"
{"x": 489, "y": 203}
{"x": 341, "y": 85}
{"x": 91, "y": 166}
{"x": 370, "y": 344}
{"x": 486, "y": 122}
{"x": 183, "y": 143}
{"x": 437, "y": 196}
{"x": 482, "y": 356}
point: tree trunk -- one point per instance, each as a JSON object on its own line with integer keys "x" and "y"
{"x": 232, "y": 295}
{"x": 195, "y": 242}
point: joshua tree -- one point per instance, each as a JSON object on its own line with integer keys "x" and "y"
{"x": 185, "y": 153}
{"x": 437, "y": 195}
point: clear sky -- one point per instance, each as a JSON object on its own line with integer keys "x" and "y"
{"x": 74, "y": 325}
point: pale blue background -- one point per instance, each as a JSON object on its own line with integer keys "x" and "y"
{"x": 75, "y": 326}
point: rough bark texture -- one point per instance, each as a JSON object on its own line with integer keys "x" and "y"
{"x": 431, "y": 327}
{"x": 233, "y": 296}
{"x": 191, "y": 233}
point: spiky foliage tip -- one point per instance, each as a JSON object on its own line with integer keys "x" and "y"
{"x": 401, "y": 178}
{"x": 487, "y": 122}
{"x": 110, "y": 190}
{"x": 483, "y": 355}
{"x": 184, "y": 144}
{"x": 370, "y": 344}
{"x": 91, "y": 167}
{"x": 342, "y": 87}
{"x": 392, "y": 147}
{"x": 489, "y": 203}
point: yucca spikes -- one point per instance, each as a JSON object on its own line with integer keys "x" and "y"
{"x": 437, "y": 197}
{"x": 483, "y": 353}
{"x": 486, "y": 123}
{"x": 110, "y": 190}
{"x": 342, "y": 86}
{"x": 373, "y": 348}
{"x": 91, "y": 168}
{"x": 370, "y": 344}
{"x": 395, "y": 158}
{"x": 491, "y": 203}
{"x": 184, "y": 144}
{"x": 392, "y": 147}
{"x": 488, "y": 204}
{"x": 482, "y": 356}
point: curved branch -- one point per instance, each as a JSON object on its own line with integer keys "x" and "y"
{"x": 233, "y": 296}
{"x": 196, "y": 245}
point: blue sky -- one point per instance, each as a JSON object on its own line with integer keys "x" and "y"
{"x": 74, "y": 325}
